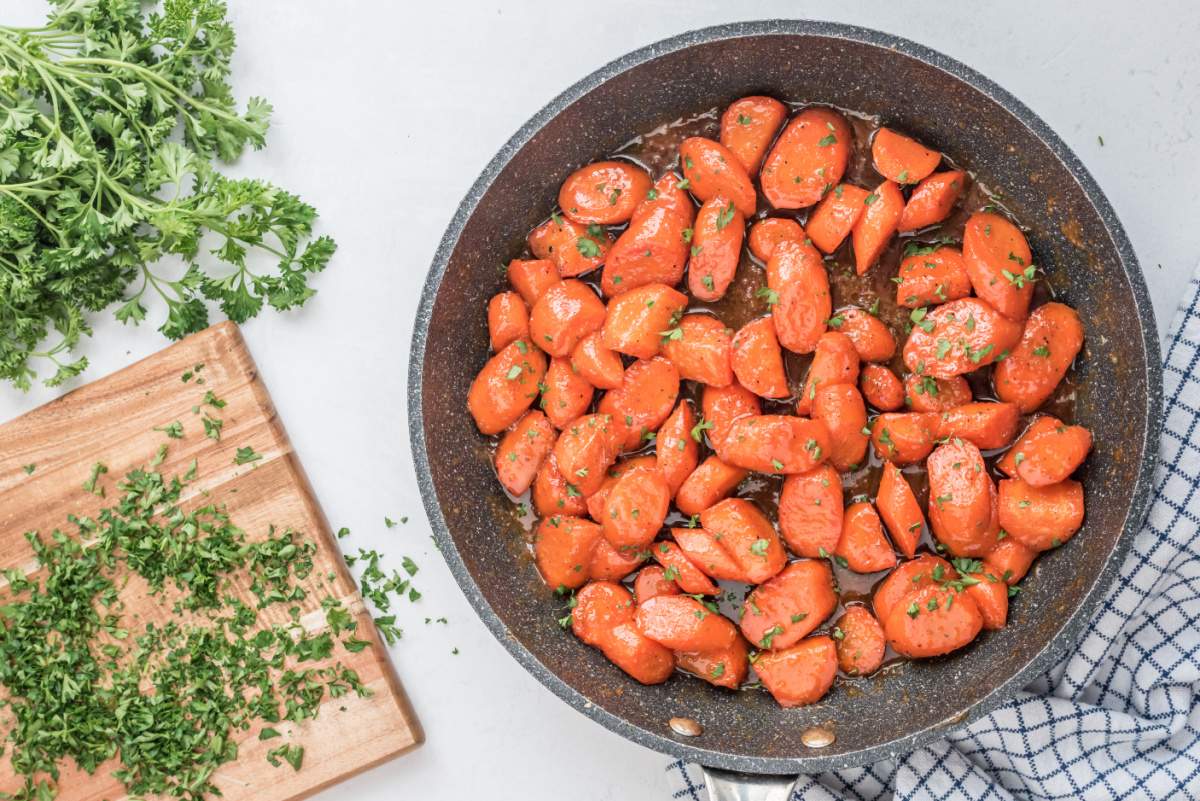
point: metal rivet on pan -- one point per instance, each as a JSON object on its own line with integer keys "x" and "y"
{"x": 817, "y": 737}
{"x": 686, "y": 727}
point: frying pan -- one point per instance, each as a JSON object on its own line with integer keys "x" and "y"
{"x": 1077, "y": 240}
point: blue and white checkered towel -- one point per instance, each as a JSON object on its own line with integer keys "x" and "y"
{"x": 1120, "y": 716}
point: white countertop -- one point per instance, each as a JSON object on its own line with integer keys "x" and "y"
{"x": 385, "y": 113}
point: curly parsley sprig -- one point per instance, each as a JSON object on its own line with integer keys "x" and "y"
{"x": 111, "y": 117}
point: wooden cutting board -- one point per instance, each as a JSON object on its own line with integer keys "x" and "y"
{"x": 112, "y": 422}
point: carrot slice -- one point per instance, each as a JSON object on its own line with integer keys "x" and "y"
{"x": 508, "y": 319}
{"x": 999, "y": 263}
{"x": 565, "y": 314}
{"x": 707, "y": 553}
{"x": 562, "y": 548}
{"x": 810, "y": 511}
{"x": 532, "y": 277}
{"x": 835, "y": 361}
{"x": 708, "y": 483}
{"x": 644, "y": 400}
{"x": 797, "y": 294}
{"x": 614, "y": 564}
{"x": 932, "y": 200}
{"x": 807, "y": 160}
{"x": 605, "y": 192}
{"x": 773, "y": 443}
{"x": 521, "y": 452}
{"x": 958, "y": 337}
{"x": 600, "y": 607}
{"x": 635, "y": 508}
{"x": 748, "y": 126}
{"x": 599, "y": 365}
{"x": 881, "y": 388}
{"x": 637, "y": 320}
{"x": 789, "y": 606}
{"x": 989, "y": 593}
{"x": 682, "y": 570}
{"x": 677, "y": 452}
{"x": 931, "y": 275}
{"x": 699, "y": 347}
{"x": 1010, "y": 559}
{"x": 652, "y": 582}
{"x": 745, "y": 533}
{"x": 566, "y": 394}
{"x": 682, "y": 623}
{"x": 840, "y": 407}
{"x": 1051, "y": 455}
{"x": 551, "y": 494}
{"x": 654, "y": 248}
{"x": 757, "y": 360}
{"x": 597, "y": 502}
{"x": 863, "y": 545}
{"x": 834, "y": 217}
{"x": 586, "y": 448}
{"x": 898, "y": 507}
{"x": 904, "y": 437}
{"x": 1041, "y": 518}
{"x": 932, "y": 621}
{"x": 877, "y": 225}
{"x": 724, "y": 668}
{"x": 713, "y": 171}
{"x": 872, "y": 339}
{"x": 716, "y": 248}
{"x": 574, "y": 248}
{"x": 987, "y": 425}
{"x": 960, "y": 499}
{"x": 927, "y": 394}
{"x": 1049, "y": 344}
{"x": 722, "y": 406}
{"x": 638, "y": 655}
{"x": 799, "y": 675}
{"x": 506, "y": 387}
{"x": 923, "y": 571}
{"x": 901, "y": 158}
{"x": 766, "y": 234}
{"x": 860, "y": 642}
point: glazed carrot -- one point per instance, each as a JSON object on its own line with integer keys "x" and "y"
{"x": 903, "y": 438}
{"x": 707, "y": 553}
{"x": 599, "y": 365}
{"x": 506, "y": 386}
{"x": 877, "y": 225}
{"x": 990, "y": 594}
{"x": 599, "y": 607}
{"x": 521, "y": 453}
{"x": 932, "y": 621}
{"x": 586, "y": 448}
{"x": 840, "y": 407}
{"x": 923, "y": 571}
{"x": 562, "y": 548}
{"x": 987, "y": 425}
{"x": 863, "y": 545}
{"x": 927, "y": 394}
{"x": 799, "y": 675}
{"x": 644, "y": 400}
{"x": 597, "y": 502}
{"x": 682, "y": 623}
{"x": 860, "y": 642}
{"x": 1010, "y": 559}
{"x": 508, "y": 319}
{"x": 748, "y": 126}
{"x": 638, "y": 655}
{"x": 638, "y": 320}
{"x": 716, "y": 248}
{"x": 881, "y": 388}
{"x": 872, "y": 339}
{"x": 958, "y": 337}
{"x": 551, "y": 495}
{"x": 613, "y": 564}
{"x": 788, "y": 607}
{"x": 654, "y": 248}
{"x": 676, "y": 451}
{"x": 1041, "y": 518}
{"x": 834, "y": 217}
{"x": 901, "y": 158}
{"x": 797, "y": 294}
{"x": 652, "y": 582}
{"x": 960, "y": 499}
{"x": 707, "y": 484}
{"x": 1049, "y": 455}
{"x": 574, "y": 248}
{"x": 932, "y": 200}
{"x": 565, "y": 314}
{"x": 807, "y": 160}
{"x": 898, "y": 507}
{"x": 711, "y": 170}
{"x": 746, "y": 534}
{"x": 721, "y": 406}
{"x": 757, "y": 360}
{"x": 835, "y": 361}
{"x": 680, "y": 569}
{"x": 1051, "y": 340}
{"x": 931, "y": 275}
{"x": 773, "y": 443}
{"x": 567, "y": 395}
{"x": 605, "y": 192}
{"x": 810, "y": 511}
{"x": 635, "y": 509}
{"x": 769, "y": 232}
{"x": 999, "y": 263}
{"x": 532, "y": 277}
{"x": 699, "y": 347}
{"x": 724, "y": 668}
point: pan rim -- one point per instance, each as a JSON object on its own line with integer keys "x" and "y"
{"x": 1073, "y": 626}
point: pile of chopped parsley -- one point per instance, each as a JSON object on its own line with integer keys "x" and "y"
{"x": 85, "y": 681}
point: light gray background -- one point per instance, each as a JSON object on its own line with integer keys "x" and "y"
{"x": 385, "y": 113}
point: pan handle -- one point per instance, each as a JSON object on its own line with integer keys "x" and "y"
{"x": 726, "y": 785}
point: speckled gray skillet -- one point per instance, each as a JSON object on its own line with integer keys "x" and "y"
{"x": 1075, "y": 236}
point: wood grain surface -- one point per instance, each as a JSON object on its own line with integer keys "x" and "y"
{"x": 112, "y": 422}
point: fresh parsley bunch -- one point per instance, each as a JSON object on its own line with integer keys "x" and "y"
{"x": 111, "y": 118}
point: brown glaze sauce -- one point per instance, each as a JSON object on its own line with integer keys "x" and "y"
{"x": 658, "y": 152}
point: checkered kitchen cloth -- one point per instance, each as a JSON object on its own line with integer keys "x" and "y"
{"x": 1119, "y": 718}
